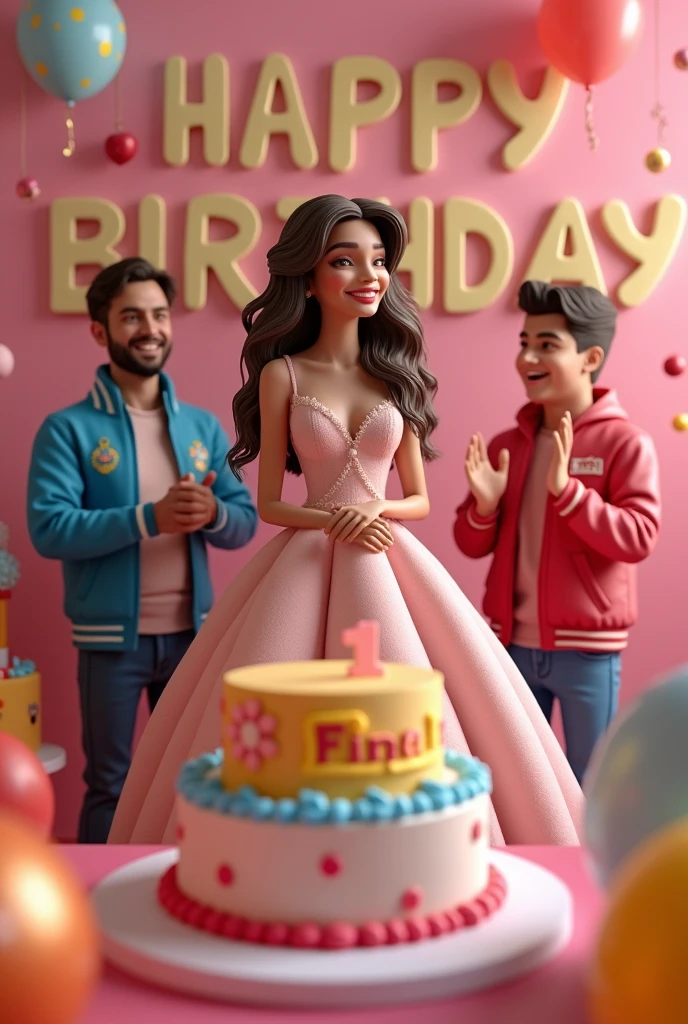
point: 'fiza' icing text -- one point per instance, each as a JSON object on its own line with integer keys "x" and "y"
{"x": 340, "y": 743}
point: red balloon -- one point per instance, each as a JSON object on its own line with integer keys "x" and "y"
{"x": 589, "y": 40}
{"x": 25, "y": 787}
{"x": 121, "y": 147}
{"x": 674, "y": 366}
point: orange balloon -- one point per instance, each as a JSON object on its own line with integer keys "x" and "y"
{"x": 49, "y": 945}
{"x": 638, "y": 972}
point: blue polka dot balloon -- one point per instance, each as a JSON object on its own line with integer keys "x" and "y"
{"x": 71, "y": 48}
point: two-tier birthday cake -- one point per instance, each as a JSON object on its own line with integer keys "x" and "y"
{"x": 20, "y": 683}
{"x": 332, "y": 816}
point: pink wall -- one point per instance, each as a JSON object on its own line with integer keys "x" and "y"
{"x": 471, "y": 355}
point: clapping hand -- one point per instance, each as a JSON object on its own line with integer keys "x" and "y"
{"x": 486, "y": 483}
{"x": 188, "y": 506}
{"x": 558, "y": 473}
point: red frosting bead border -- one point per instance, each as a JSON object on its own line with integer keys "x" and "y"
{"x": 338, "y": 935}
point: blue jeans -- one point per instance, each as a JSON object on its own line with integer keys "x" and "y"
{"x": 586, "y": 685}
{"x": 110, "y": 687}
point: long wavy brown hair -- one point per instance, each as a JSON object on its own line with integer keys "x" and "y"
{"x": 283, "y": 321}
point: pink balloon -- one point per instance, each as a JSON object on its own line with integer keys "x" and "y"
{"x": 6, "y": 361}
{"x": 589, "y": 40}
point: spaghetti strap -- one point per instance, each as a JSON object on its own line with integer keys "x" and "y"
{"x": 290, "y": 367}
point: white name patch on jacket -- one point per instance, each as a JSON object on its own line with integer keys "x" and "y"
{"x": 589, "y": 466}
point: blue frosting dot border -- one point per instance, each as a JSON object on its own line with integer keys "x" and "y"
{"x": 18, "y": 669}
{"x": 313, "y": 807}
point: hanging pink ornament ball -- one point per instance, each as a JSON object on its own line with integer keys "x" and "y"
{"x": 675, "y": 365}
{"x": 28, "y": 188}
{"x": 6, "y": 361}
{"x": 121, "y": 147}
{"x": 681, "y": 59}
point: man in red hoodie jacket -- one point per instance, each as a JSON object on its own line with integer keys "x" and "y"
{"x": 567, "y": 502}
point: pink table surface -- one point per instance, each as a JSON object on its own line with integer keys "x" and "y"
{"x": 553, "y": 993}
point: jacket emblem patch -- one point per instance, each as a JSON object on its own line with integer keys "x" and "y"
{"x": 199, "y": 454}
{"x": 589, "y": 466}
{"x": 104, "y": 458}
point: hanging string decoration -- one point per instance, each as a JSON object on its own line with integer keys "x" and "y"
{"x": 659, "y": 158}
{"x": 121, "y": 146}
{"x": 27, "y": 187}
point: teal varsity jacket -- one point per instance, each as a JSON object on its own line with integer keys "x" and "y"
{"x": 83, "y": 507}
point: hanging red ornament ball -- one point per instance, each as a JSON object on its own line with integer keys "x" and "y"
{"x": 681, "y": 59}
{"x": 121, "y": 147}
{"x": 28, "y": 188}
{"x": 675, "y": 365}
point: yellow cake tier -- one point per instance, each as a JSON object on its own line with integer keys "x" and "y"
{"x": 20, "y": 708}
{"x": 309, "y": 725}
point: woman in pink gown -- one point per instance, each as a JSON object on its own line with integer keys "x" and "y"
{"x": 336, "y": 388}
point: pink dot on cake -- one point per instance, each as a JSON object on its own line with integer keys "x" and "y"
{"x": 330, "y": 865}
{"x": 412, "y": 898}
{"x": 477, "y": 831}
{"x": 225, "y": 875}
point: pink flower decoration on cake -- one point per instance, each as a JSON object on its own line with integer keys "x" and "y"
{"x": 252, "y": 734}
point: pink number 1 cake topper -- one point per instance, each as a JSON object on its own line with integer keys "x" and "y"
{"x": 364, "y": 637}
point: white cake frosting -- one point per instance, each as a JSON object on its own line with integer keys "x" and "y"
{"x": 353, "y": 872}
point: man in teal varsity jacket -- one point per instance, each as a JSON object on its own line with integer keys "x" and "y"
{"x": 127, "y": 488}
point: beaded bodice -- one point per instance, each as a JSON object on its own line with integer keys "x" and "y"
{"x": 341, "y": 469}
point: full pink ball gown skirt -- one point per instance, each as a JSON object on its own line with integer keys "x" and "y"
{"x": 292, "y": 602}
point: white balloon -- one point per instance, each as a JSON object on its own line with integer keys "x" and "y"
{"x": 637, "y": 781}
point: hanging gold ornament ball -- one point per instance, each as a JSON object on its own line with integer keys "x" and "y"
{"x": 681, "y": 59}
{"x": 658, "y": 159}
{"x": 680, "y": 422}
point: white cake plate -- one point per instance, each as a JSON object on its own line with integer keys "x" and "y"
{"x": 52, "y": 757}
{"x": 141, "y": 938}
